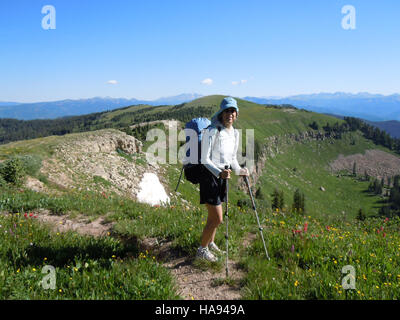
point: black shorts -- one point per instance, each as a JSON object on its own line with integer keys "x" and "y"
{"x": 212, "y": 189}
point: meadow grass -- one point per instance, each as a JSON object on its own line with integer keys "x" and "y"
{"x": 85, "y": 267}
{"x": 303, "y": 265}
{"x": 89, "y": 203}
{"x": 307, "y": 263}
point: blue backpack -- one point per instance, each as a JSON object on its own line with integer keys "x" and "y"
{"x": 197, "y": 125}
{"x": 192, "y": 167}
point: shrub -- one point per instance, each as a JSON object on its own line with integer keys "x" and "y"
{"x": 2, "y": 181}
{"x": 314, "y": 125}
{"x": 244, "y": 203}
{"x": 13, "y": 171}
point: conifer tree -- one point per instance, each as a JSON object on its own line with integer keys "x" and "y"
{"x": 260, "y": 194}
{"x": 354, "y": 169}
{"x": 361, "y": 215}
{"x": 275, "y": 199}
{"x": 281, "y": 200}
{"x": 298, "y": 201}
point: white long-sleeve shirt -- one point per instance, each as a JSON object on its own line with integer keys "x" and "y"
{"x": 219, "y": 149}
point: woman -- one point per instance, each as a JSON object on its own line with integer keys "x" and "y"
{"x": 219, "y": 147}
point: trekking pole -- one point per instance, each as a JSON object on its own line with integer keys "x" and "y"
{"x": 180, "y": 177}
{"x": 227, "y": 229}
{"x": 258, "y": 220}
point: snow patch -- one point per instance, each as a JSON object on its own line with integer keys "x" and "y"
{"x": 151, "y": 190}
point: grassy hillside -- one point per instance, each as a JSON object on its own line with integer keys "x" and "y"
{"x": 310, "y": 159}
{"x": 306, "y": 166}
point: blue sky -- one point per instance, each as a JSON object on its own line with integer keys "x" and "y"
{"x": 158, "y": 48}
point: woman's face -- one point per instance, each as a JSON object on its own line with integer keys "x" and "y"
{"x": 229, "y": 116}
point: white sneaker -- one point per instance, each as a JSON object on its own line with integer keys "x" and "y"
{"x": 212, "y": 246}
{"x": 205, "y": 254}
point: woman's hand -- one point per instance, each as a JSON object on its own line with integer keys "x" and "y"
{"x": 244, "y": 172}
{"x": 225, "y": 174}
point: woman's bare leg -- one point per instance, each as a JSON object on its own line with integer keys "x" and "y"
{"x": 213, "y": 221}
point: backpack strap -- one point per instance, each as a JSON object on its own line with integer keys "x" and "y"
{"x": 218, "y": 127}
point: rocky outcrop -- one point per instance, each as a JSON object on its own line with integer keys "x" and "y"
{"x": 104, "y": 160}
{"x": 101, "y": 141}
{"x": 374, "y": 163}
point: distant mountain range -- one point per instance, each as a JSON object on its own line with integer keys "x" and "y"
{"x": 62, "y": 108}
{"x": 376, "y": 109}
{"x": 372, "y": 107}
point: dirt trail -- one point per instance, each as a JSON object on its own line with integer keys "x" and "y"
{"x": 83, "y": 225}
{"x": 197, "y": 284}
{"x": 193, "y": 282}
